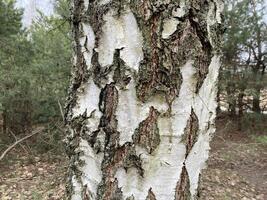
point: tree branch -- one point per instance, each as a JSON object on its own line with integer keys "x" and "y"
{"x": 19, "y": 141}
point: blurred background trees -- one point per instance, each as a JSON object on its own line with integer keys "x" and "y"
{"x": 243, "y": 75}
{"x": 35, "y": 65}
{"x": 15, "y": 52}
{"x": 35, "y": 68}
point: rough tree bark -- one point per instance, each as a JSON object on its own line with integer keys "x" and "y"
{"x": 142, "y": 102}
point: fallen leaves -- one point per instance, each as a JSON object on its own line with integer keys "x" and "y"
{"x": 40, "y": 178}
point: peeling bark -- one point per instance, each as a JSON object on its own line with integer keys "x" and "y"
{"x": 142, "y": 101}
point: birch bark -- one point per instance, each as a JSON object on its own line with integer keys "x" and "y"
{"x": 142, "y": 102}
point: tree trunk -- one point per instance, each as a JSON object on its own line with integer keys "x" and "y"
{"x": 142, "y": 102}
{"x": 231, "y": 99}
{"x": 256, "y": 101}
{"x": 240, "y": 108}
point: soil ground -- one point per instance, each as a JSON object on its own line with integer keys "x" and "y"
{"x": 237, "y": 166}
{"x": 236, "y": 170}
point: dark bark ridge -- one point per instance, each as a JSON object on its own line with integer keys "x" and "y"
{"x": 150, "y": 195}
{"x": 182, "y": 191}
{"x": 191, "y": 132}
{"x": 147, "y": 134}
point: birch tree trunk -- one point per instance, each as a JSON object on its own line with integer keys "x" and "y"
{"x": 142, "y": 102}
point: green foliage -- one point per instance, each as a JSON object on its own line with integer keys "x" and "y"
{"x": 36, "y": 195}
{"x": 261, "y": 139}
{"x": 62, "y": 8}
{"x": 243, "y": 72}
{"x": 51, "y": 139}
{"x": 10, "y": 19}
{"x": 15, "y": 52}
{"x": 34, "y": 66}
{"x": 50, "y": 65}
{"x": 254, "y": 123}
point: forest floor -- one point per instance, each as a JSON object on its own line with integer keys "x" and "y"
{"x": 236, "y": 170}
{"x": 237, "y": 166}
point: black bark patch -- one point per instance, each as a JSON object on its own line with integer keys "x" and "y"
{"x": 191, "y": 132}
{"x": 182, "y": 191}
{"x": 97, "y": 71}
{"x": 86, "y": 193}
{"x": 120, "y": 69}
{"x": 107, "y": 105}
{"x": 147, "y": 134}
{"x": 150, "y": 195}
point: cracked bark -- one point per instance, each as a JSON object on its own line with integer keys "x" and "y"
{"x": 142, "y": 100}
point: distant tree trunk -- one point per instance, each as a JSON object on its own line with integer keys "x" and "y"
{"x": 4, "y": 115}
{"x": 256, "y": 101}
{"x": 218, "y": 98}
{"x": 17, "y": 116}
{"x": 240, "y": 108}
{"x": 142, "y": 102}
{"x": 260, "y": 66}
{"x": 231, "y": 99}
{"x": 257, "y": 76}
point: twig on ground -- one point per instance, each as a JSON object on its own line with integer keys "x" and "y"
{"x": 19, "y": 141}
